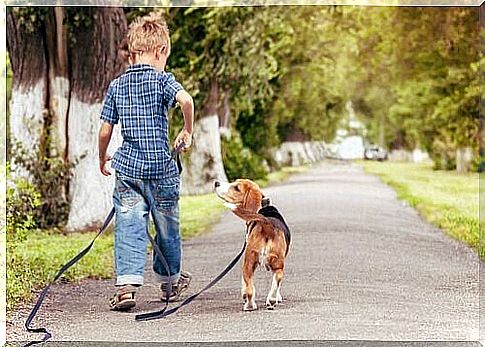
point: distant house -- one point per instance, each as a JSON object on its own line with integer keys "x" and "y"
{"x": 349, "y": 141}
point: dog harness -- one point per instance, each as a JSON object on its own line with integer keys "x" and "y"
{"x": 275, "y": 217}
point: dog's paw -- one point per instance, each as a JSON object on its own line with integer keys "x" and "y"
{"x": 279, "y": 298}
{"x": 271, "y": 302}
{"x": 248, "y": 306}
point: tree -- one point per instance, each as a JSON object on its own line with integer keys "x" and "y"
{"x": 224, "y": 57}
{"x": 418, "y": 78}
{"x": 62, "y": 60}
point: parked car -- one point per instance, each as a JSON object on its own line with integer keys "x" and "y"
{"x": 375, "y": 153}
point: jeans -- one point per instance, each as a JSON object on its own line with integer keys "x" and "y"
{"x": 131, "y": 199}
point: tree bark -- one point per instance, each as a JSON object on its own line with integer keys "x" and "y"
{"x": 225, "y": 111}
{"x": 464, "y": 157}
{"x": 59, "y": 82}
{"x": 27, "y": 52}
{"x": 204, "y": 164}
{"x": 96, "y": 59}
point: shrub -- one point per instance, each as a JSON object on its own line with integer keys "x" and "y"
{"x": 22, "y": 201}
{"x": 50, "y": 176}
{"x": 239, "y": 161}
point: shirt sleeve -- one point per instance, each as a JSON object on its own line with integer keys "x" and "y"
{"x": 170, "y": 89}
{"x": 109, "y": 113}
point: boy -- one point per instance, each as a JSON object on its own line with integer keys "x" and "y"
{"x": 139, "y": 100}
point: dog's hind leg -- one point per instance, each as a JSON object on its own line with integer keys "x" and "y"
{"x": 248, "y": 291}
{"x": 274, "y": 295}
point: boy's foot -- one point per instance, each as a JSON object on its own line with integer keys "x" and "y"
{"x": 124, "y": 298}
{"x": 177, "y": 288}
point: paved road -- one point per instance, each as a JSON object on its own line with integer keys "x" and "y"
{"x": 362, "y": 266}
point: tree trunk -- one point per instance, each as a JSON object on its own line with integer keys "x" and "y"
{"x": 225, "y": 111}
{"x": 28, "y": 104}
{"x": 204, "y": 164}
{"x": 464, "y": 157}
{"x": 95, "y": 61}
{"x": 59, "y": 82}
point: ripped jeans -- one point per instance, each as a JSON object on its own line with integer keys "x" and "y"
{"x": 130, "y": 198}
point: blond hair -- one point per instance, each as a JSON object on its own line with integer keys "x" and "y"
{"x": 147, "y": 34}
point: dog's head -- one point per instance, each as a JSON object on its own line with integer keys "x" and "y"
{"x": 240, "y": 194}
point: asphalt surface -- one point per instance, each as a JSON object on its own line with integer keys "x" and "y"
{"x": 362, "y": 266}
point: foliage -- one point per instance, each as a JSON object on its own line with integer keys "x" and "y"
{"x": 22, "y": 200}
{"x": 447, "y": 199}
{"x": 311, "y": 92}
{"x": 418, "y": 81}
{"x": 50, "y": 177}
{"x": 239, "y": 161}
{"x": 258, "y": 131}
{"x": 30, "y": 16}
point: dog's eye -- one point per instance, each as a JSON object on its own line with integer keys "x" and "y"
{"x": 236, "y": 187}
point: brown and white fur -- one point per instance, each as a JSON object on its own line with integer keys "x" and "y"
{"x": 266, "y": 244}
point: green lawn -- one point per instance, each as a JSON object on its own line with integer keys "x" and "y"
{"x": 445, "y": 198}
{"x": 33, "y": 262}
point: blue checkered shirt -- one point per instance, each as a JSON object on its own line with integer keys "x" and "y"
{"x": 139, "y": 99}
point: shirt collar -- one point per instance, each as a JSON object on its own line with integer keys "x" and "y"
{"x": 140, "y": 67}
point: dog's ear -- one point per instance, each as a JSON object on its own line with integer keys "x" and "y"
{"x": 266, "y": 201}
{"x": 252, "y": 200}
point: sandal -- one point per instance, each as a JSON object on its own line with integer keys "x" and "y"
{"x": 124, "y": 298}
{"x": 177, "y": 288}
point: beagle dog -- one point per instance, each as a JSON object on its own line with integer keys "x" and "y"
{"x": 267, "y": 236}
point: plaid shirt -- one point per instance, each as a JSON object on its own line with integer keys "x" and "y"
{"x": 139, "y": 99}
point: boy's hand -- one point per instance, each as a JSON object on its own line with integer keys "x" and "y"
{"x": 102, "y": 165}
{"x": 184, "y": 136}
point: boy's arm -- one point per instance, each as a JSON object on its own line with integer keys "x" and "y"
{"x": 104, "y": 137}
{"x": 109, "y": 116}
{"x": 187, "y": 106}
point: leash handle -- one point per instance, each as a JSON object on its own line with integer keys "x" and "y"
{"x": 179, "y": 148}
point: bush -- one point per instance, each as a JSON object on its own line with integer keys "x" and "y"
{"x": 239, "y": 161}
{"x": 22, "y": 201}
{"x": 50, "y": 176}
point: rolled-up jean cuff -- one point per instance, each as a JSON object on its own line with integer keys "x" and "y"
{"x": 129, "y": 279}
{"x": 164, "y": 279}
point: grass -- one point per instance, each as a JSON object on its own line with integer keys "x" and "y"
{"x": 32, "y": 263}
{"x": 445, "y": 198}
{"x": 198, "y": 214}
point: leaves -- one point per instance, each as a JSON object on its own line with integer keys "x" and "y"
{"x": 418, "y": 76}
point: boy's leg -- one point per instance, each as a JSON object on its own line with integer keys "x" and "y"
{"x": 166, "y": 219}
{"x": 130, "y": 231}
